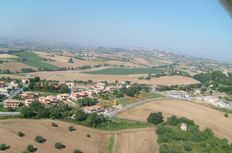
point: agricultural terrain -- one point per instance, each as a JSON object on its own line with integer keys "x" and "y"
{"x": 77, "y": 75}
{"x": 202, "y": 115}
{"x": 130, "y": 141}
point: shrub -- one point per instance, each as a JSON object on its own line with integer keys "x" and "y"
{"x": 54, "y": 125}
{"x": 40, "y": 139}
{"x": 4, "y": 147}
{"x": 155, "y": 118}
{"x": 71, "y": 128}
{"x": 20, "y": 134}
{"x": 77, "y": 151}
{"x": 80, "y": 115}
{"x": 226, "y": 115}
{"x": 31, "y": 148}
{"x": 188, "y": 147}
{"x": 88, "y": 135}
{"x": 59, "y": 145}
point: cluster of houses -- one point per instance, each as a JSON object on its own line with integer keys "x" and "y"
{"x": 77, "y": 92}
{"x": 7, "y": 88}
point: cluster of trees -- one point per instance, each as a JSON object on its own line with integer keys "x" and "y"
{"x": 26, "y": 70}
{"x": 135, "y": 89}
{"x": 87, "y": 101}
{"x": 92, "y": 120}
{"x": 155, "y": 118}
{"x": 187, "y": 88}
{"x": 5, "y": 71}
{"x": 172, "y": 139}
{"x": 220, "y": 81}
{"x": 48, "y": 86}
{"x": 62, "y": 112}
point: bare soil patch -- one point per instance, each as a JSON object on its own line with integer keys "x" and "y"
{"x": 13, "y": 66}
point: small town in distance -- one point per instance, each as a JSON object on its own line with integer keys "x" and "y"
{"x": 115, "y": 77}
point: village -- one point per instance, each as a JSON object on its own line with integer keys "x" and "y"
{"x": 88, "y": 95}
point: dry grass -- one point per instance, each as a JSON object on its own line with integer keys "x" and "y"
{"x": 32, "y": 128}
{"x": 13, "y": 66}
{"x": 129, "y": 141}
{"x": 7, "y": 56}
{"x": 136, "y": 141}
{"x": 202, "y": 115}
{"x": 76, "y": 75}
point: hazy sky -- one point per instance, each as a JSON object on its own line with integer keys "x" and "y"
{"x": 195, "y": 27}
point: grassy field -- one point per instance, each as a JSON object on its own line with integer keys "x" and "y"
{"x": 34, "y": 60}
{"x": 127, "y": 71}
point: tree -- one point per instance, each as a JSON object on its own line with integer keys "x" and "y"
{"x": 86, "y": 101}
{"x": 59, "y": 145}
{"x": 3, "y": 146}
{"x": 77, "y": 151}
{"x": 70, "y": 60}
{"x": 40, "y": 139}
{"x": 80, "y": 115}
{"x": 94, "y": 120}
{"x": 20, "y": 134}
{"x": 31, "y": 148}
{"x": 155, "y": 118}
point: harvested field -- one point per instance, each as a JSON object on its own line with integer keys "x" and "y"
{"x": 7, "y": 56}
{"x": 129, "y": 141}
{"x": 202, "y": 115}
{"x": 62, "y": 61}
{"x": 13, "y": 66}
{"x": 136, "y": 141}
{"x": 77, "y": 75}
{"x": 33, "y": 128}
{"x": 13, "y": 76}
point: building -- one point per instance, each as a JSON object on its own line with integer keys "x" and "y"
{"x": 62, "y": 96}
{"x": 183, "y": 127}
{"x": 28, "y": 102}
{"x": 29, "y": 95}
{"x": 25, "y": 80}
{"x": 11, "y": 103}
{"x": 93, "y": 109}
{"x": 48, "y": 100}
{"x": 3, "y": 84}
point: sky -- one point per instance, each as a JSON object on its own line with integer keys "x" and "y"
{"x": 194, "y": 27}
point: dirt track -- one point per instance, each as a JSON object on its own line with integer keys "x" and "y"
{"x": 202, "y": 115}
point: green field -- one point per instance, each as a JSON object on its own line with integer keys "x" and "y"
{"x": 34, "y": 60}
{"x": 128, "y": 71}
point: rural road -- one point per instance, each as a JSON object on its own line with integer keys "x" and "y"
{"x": 130, "y": 106}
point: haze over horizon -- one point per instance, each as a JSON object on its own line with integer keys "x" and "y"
{"x": 197, "y": 28}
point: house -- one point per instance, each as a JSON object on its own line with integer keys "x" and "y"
{"x": 11, "y": 103}
{"x": 13, "y": 84}
{"x": 47, "y": 100}
{"x": 62, "y": 96}
{"x": 2, "y": 84}
{"x": 93, "y": 109}
{"x": 25, "y": 80}
{"x": 29, "y": 95}
{"x": 76, "y": 95}
{"x": 183, "y": 126}
{"x": 28, "y": 102}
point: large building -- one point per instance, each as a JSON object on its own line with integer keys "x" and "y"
{"x": 11, "y": 103}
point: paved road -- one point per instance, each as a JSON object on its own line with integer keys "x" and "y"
{"x": 130, "y": 106}
{"x": 9, "y": 113}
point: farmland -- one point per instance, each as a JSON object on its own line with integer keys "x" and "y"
{"x": 127, "y": 71}
{"x": 33, "y": 60}
{"x": 142, "y": 140}
{"x": 202, "y": 115}
{"x": 77, "y": 75}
